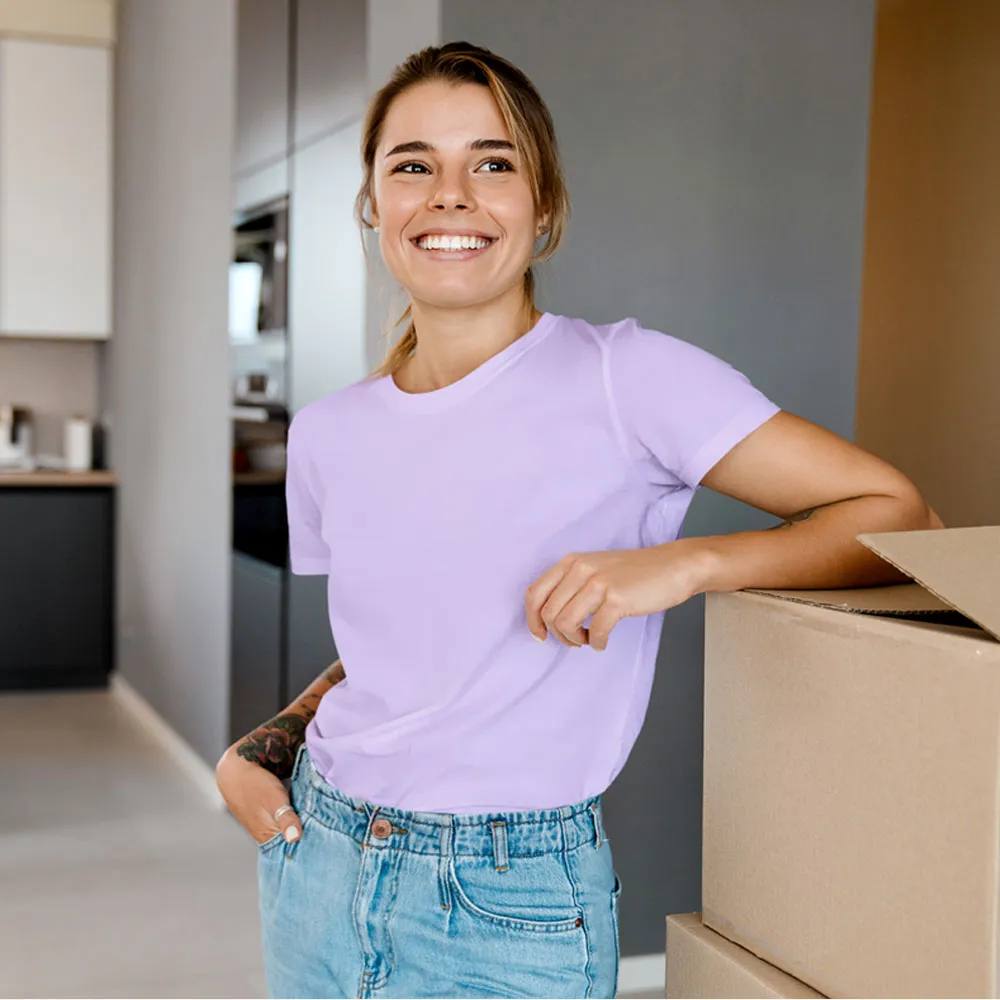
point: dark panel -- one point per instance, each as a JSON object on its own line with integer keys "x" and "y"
{"x": 56, "y": 586}
{"x": 310, "y": 644}
{"x": 255, "y": 694}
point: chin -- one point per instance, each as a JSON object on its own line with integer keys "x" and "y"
{"x": 452, "y": 298}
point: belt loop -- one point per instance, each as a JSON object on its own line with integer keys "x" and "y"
{"x": 447, "y": 836}
{"x": 595, "y": 815}
{"x": 499, "y": 828}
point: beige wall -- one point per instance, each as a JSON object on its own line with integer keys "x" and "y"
{"x": 929, "y": 357}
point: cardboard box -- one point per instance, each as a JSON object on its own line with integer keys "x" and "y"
{"x": 701, "y": 963}
{"x": 852, "y": 775}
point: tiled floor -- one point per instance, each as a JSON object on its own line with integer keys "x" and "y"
{"x": 117, "y": 879}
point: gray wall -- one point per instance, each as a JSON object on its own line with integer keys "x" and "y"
{"x": 168, "y": 365}
{"x": 715, "y": 152}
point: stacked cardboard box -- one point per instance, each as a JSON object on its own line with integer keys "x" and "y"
{"x": 703, "y": 964}
{"x": 852, "y": 774}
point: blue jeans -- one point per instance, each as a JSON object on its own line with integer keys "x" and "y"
{"x": 377, "y": 902}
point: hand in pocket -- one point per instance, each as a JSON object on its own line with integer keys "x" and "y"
{"x": 253, "y": 795}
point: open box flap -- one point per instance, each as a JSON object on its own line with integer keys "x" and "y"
{"x": 959, "y": 565}
{"x": 905, "y": 599}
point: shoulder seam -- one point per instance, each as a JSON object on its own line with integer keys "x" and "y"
{"x": 621, "y": 434}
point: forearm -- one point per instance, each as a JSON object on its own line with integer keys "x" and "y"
{"x": 275, "y": 743}
{"x": 815, "y": 550}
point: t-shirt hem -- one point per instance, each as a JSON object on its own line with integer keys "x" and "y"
{"x": 740, "y": 427}
{"x": 305, "y": 566}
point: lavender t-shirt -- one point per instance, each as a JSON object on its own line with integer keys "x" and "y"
{"x": 433, "y": 512}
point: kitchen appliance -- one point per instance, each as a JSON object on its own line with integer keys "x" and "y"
{"x": 258, "y": 277}
{"x": 16, "y": 432}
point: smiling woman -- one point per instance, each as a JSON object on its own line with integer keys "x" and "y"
{"x": 505, "y": 476}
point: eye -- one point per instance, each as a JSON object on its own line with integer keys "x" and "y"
{"x": 504, "y": 165}
{"x": 403, "y": 168}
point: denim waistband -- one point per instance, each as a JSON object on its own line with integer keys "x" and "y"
{"x": 501, "y": 835}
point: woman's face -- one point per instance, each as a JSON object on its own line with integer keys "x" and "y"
{"x": 456, "y": 217}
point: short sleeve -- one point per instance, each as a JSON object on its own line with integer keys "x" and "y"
{"x": 308, "y": 552}
{"x": 682, "y": 406}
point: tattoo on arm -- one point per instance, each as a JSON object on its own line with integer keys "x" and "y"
{"x": 802, "y": 515}
{"x": 275, "y": 744}
{"x": 805, "y": 515}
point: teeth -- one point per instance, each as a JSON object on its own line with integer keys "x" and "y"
{"x": 452, "y": 243}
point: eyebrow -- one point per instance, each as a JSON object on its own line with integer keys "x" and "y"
{"x": 419, "y": 146}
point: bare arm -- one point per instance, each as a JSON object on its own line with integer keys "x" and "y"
{"x": 827, "y": 491}
{"x": 274, "y": 744}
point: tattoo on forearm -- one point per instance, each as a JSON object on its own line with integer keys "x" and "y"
{"x": 275, "y": 744}
{"x": 803, "y": 515}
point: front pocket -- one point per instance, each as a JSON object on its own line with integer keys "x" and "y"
{"x": 272, "y": 842}
{"x": 515, "y": 899}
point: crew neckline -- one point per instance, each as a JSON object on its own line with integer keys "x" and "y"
{"x": 435, "y": 399}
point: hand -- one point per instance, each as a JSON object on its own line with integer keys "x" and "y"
{"x": 253, "y": 794}
{"x": 612, "y": 585}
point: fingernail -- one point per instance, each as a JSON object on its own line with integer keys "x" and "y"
{"x": 537, "y": 638}
{"x": 292, "y": 833}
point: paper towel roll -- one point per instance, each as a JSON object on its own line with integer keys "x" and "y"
{"x": 77, "y": 444}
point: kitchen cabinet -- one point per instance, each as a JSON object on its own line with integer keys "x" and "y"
{"x": 256, "y": 649}
{"x": 280, "y": 639}
{"x": 330, "y": 65}
{"x": 55, "y": 189}
{"x": 56, "y": 587}
{"x": 311, "y": 648}
{"x": 261, "y": 87}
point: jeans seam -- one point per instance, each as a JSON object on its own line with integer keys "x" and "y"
{"x": 568, "y": 868}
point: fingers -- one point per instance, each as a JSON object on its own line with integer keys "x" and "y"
{"x": 288, "y": 823}
{"x": 562, "y": 599}
{"x": 547, "y": 596}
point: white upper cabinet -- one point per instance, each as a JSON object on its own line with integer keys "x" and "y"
{"x": 55, "y": 189}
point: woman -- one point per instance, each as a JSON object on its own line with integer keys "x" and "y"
{"x": 505, "y": 476}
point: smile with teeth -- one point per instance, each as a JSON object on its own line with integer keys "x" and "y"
{"x": 441, "y": 242}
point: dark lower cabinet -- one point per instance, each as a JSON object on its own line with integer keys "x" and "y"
{"x": 256, "y": 651}
{"x": 56, "y": 587}
{"x": 311, "y": 647}
{"x": 281, "y": 640}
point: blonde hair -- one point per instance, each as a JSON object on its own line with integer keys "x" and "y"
{"x": 530, "y": 126}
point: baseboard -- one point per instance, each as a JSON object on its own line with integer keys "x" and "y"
{"x": 638, "y": 973}
{"x": 167, "y": 738}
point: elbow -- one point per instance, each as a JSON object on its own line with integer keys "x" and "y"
{"x": 920, "y": 515}
{"x": 933, "y": 518}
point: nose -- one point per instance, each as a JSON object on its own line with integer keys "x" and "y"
{"x": 453, "y": 192}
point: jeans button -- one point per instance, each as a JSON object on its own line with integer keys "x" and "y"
{"x": 381, "y": 828}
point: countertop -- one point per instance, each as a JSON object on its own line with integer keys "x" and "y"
{"x": 56, "y": 478}
{"x": 264, "y": 477}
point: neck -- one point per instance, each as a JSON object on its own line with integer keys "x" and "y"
{"x": 452, "y": 342}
